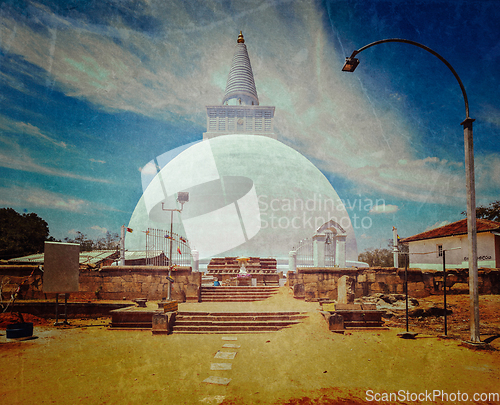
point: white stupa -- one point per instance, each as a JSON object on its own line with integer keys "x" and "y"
{"x": 249, "y": 194}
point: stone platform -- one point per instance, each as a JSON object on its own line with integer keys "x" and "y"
{"x": 227, "y": 270}
{"x": 342, "y": 317}
{"x": 137, "y": 318}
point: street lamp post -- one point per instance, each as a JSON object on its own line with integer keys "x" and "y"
{"x": 349, "y": 66}
{"x": 182, "y": 197}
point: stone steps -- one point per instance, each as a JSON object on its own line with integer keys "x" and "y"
{"x": 236, "y": 294}
{"x": 235, "y": 322}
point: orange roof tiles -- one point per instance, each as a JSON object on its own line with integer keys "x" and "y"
{"x": 455, "y": 228}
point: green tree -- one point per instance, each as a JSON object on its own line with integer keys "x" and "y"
{"x": 86, "y": 244}
{"x": 21, "y": 234}
{"x": 109, "y": 242}
{"x": 491, "y": 212}
{"x": 377, "y": 257}
{"x": 384, "y": 257}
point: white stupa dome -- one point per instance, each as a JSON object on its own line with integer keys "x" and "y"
{"x": 248, "y": 196}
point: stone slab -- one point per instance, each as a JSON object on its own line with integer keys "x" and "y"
{"x": 329, "y": 307}
{"x": 217, "y": 380}
{"x": 230, "y": 346}
{"x": 220, "y": 366}
{"x": 229, "y": 338}
{"x": 169, "y": 306}
{"x": 225, "y": 355}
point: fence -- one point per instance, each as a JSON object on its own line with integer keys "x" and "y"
{"x": 159, "y": 244}
{"x": 305, "y": 252}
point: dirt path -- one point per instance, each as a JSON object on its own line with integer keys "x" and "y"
{"x": 86, "y": 363}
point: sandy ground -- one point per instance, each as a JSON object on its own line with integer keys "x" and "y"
{"x": 85, "y": 363}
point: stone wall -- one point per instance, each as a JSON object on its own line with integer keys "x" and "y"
{"x": 108, "y": 283}
{"x": 318, "y": 283}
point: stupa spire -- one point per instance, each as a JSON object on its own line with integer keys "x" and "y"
{"x": 240, "y": 87}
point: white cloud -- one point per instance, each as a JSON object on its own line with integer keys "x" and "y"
{"x": 72, "y": 232}
{"x": 149, "y": 169}
{"x": 27, "y": 164}
{"x": 29, "y": 129}
{"x": 24, "y": 128}
{"x": 437, "y": 225}
{"x": 384, "y": 209}
{"x": 490, "y": 114}
{"x": 99, "y": 229}
{"x": 487, "y": 174}
{"x": 15, "y": 196}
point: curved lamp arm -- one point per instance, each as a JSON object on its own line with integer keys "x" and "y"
{"x": 351, "y": 63}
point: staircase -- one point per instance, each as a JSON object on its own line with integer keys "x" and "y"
{"x": 234, "y": 322}
{"x": 236, "y": 294}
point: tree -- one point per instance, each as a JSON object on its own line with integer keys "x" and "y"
{"x": 21, "y": 234}
{"x": 109, "y": 242}
{"x": 384, "y": 257}
{"x": 377, "y": 257}
{"x": 85, "y": 243}
{"x": 491, "y": 212}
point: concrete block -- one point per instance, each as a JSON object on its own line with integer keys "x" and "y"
{"x": 225, "y": 355}
{"x": 163, "y": 323}
{"x": 193, "y": 292}
{"x": 336, "y": 322}
{"x": 217, "y": 380}
{"x": 299, "y": 290}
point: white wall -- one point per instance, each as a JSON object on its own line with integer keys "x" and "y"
{"x": 424, "y": 255}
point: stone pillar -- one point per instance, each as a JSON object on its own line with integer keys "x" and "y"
{"x": 319, "y": 250}
{"x": 345, "y": 290}
{"x": 195, "y": 260}
{"x": 340, "y": 252}
{"x": 292, "y": 261}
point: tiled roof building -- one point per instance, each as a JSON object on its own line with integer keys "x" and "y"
{"x": 426, "y": 248}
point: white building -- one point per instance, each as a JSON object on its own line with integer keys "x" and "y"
{"x": 426, "y": 248}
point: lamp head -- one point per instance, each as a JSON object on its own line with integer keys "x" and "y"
{"x": 350, "y": 65}
{"x": 183, "y": 197}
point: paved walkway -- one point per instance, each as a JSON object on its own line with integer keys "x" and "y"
{"x": 86, "y": 363}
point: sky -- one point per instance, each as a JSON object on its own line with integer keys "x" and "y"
{"x": 92, "y": 90}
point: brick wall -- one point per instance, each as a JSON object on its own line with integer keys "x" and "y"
{"x": 321, "y": 283}
{"x": 108, "y": 283}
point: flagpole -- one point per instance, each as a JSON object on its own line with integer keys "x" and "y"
{"x": 169, "y": 291}
{"x": 122, "y": 246}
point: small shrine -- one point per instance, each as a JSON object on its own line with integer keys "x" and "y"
{"x": 244, "y": 271}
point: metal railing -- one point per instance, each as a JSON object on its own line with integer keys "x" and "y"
{"x": 158, "y": 243}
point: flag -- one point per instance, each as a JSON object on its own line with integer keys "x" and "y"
{"x": 179, "y": 250}
{"x": 130, "y": 230}
{"x": 183, "y": 240}
{"x": 168, "y": 236}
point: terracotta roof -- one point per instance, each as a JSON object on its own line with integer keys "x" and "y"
{"x": 455, "y": 228}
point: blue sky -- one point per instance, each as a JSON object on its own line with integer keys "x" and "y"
{"x": 91, "y": 91}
